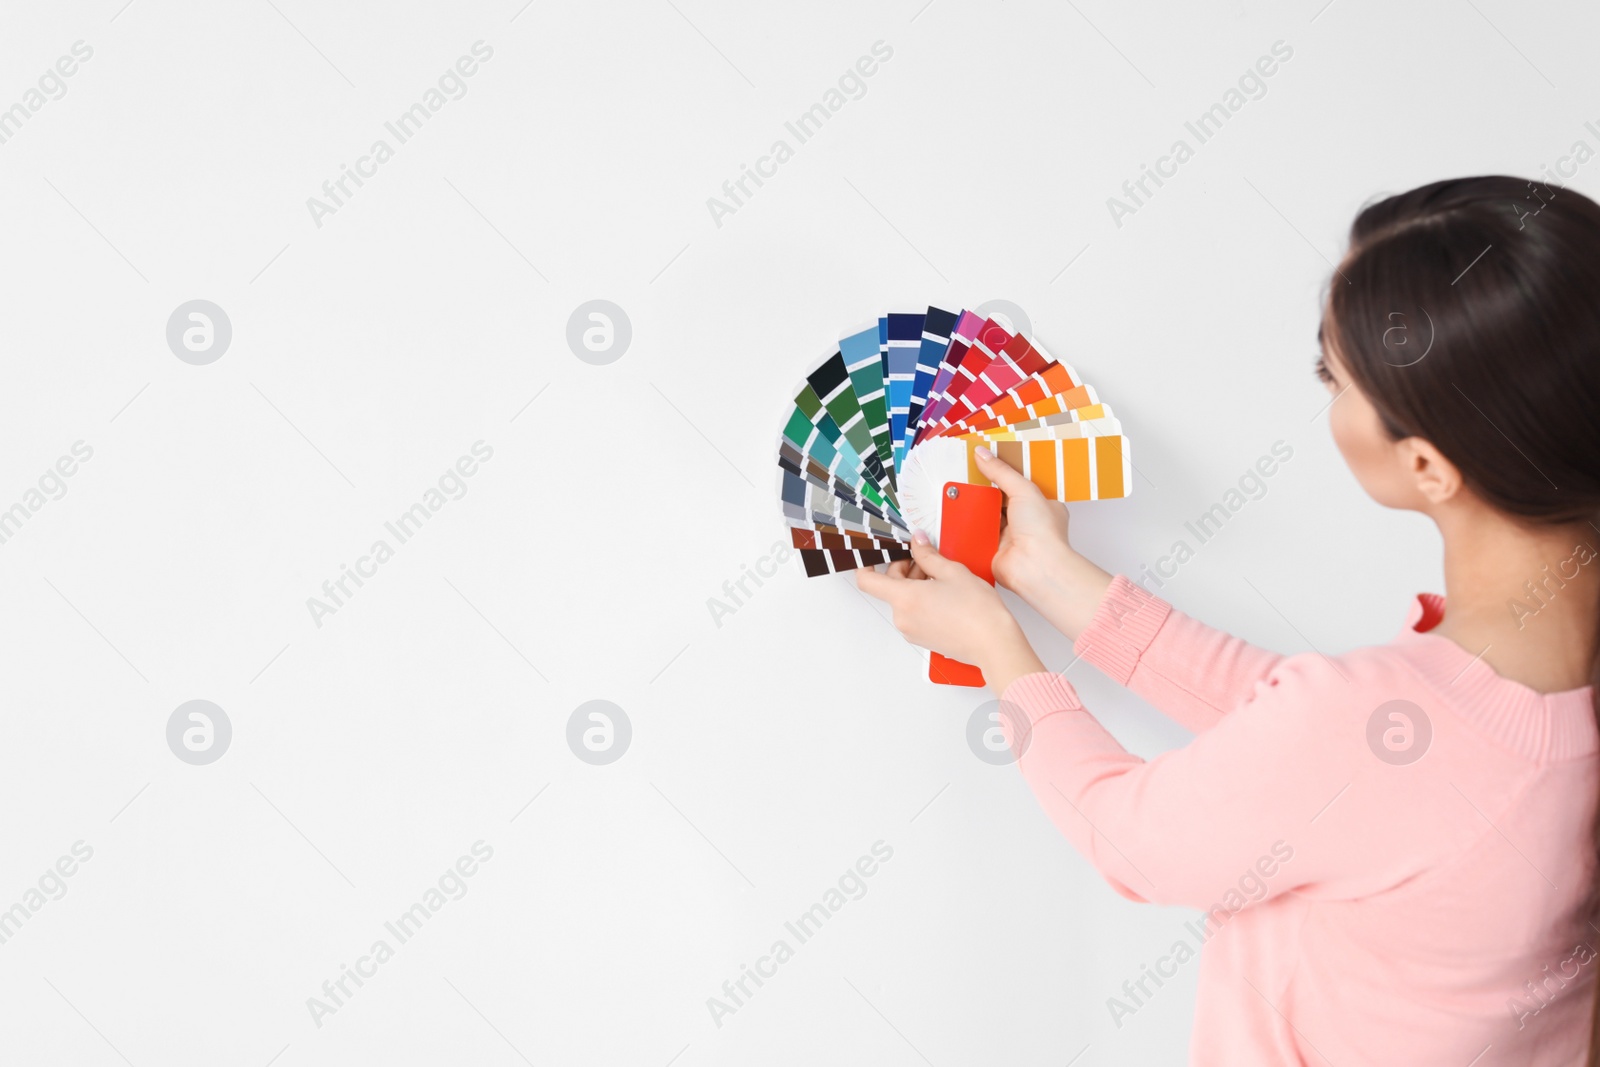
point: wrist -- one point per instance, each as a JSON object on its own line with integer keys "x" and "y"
{"x": 1009, "y": 657}
{"x": 1066, "y": 590}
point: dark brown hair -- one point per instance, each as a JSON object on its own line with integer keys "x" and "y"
{"x": 1468, "y": 312}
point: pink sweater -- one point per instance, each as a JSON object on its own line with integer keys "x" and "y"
{"x": 1362, "y": 910}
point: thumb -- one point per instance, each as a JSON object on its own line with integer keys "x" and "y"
{"x": 1002, "y": 474}
{"x": 927, "y": 557}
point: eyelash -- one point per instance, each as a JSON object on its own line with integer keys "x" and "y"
{"x": 1323, "y": 372}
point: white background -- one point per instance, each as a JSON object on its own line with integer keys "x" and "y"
{"x": 769, "y": 752}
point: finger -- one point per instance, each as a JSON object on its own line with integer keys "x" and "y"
{"x": 885, "y": 587}
{"x": 928, "y": 558}
{"x": 906, "y": 569}
{"x": 1002, "y": 474}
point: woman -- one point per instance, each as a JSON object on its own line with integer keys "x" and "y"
{"x": 1395, "y": 847}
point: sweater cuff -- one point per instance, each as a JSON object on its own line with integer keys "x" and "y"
{"x": 1033, "y": 696}
{"x": 1122, "y": 628}
{"x": 1027, "y": 700}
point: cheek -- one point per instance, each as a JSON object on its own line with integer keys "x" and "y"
{"x": 1366, "y": 449}
{"x": 1347, "y": 434}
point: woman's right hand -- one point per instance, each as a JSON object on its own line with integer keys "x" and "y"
{"x": 1036, "y": 560}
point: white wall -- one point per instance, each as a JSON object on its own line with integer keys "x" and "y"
{"x": 769, "y": 752}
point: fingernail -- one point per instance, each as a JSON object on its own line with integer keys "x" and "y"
{"x": 921, "y": 538}
{"x": 983, "y": 453}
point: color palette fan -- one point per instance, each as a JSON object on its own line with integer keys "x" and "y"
{"x": 881, "y": 427}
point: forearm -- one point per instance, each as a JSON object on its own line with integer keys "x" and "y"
{"x": 1181, "y": 828}
{"x": 1190, "y": 671}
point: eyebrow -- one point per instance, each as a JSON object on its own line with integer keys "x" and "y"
{"x": 1319, "y": 335}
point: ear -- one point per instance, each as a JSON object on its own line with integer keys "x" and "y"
{"x": 1434, "y": 476}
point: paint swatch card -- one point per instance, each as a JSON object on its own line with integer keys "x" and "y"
{"x": 937, "y": 327}
{"x": 878, "y": 429}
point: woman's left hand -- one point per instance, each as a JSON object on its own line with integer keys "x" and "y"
{"x": 941, "y": 605}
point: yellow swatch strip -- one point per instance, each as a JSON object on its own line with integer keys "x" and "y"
{"x": 1069, "y": 469}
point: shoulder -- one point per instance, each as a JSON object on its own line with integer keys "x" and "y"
{"x": 1361, "y": 703}
{"x": 1349, "y": 680}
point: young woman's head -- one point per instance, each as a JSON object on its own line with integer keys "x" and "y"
{"x": 1463, "y": 330}
{"x": 1466, "y": 314}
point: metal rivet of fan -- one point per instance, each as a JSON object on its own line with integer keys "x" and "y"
{"x": 952, "y": 492}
